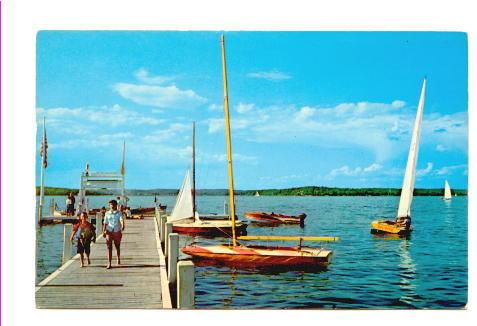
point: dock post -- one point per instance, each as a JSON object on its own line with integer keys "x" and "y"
{"x": 173, "y": 253}
{"x": 99, "y": 223}
{"x": 159, "y": 221}
{"x": 163, "y": 229}
{"x": 67, "y": 243}
{"x": 185, "y": 285}
{"x": 168, "y": 230}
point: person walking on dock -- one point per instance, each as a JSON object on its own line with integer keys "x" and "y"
{"x": 112, "y": 231}
{"x": 84, "y": 232}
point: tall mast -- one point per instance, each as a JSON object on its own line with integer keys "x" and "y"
{"x": 123, "y": 173}
{"x": 229, "y": 144}
{"x": 193, "y": 170}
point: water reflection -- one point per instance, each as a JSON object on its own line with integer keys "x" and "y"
{"x": 407, "y": 274}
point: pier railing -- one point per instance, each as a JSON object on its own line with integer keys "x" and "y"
{"x": 180, "y": 274}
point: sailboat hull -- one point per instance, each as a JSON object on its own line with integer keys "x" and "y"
{"x": 210, "y": 228}
{"x": 276, "y": 218}
{"x": 261, "y": 256}
{"x": 389, "y": 227}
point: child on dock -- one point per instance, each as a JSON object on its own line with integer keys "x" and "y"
{"x": 84, "y": 232}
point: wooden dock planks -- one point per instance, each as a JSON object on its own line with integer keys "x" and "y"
{"x": 134, "y": 284}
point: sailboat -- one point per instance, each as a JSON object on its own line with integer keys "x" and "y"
{"x": 447, "y": 191}
{"x": 256, "y": 194}
{"x": 256, "y": 256}
{"x": 186, "y": 219}
{"x": 402, "y": 224}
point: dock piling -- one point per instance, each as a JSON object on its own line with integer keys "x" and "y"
{"x": 173, "y": 254}
{"x": 99, "y": 223}
{"x": 168, "y": 230}
{"x": 163, "y": 229}
{"x": 67, "y": 243}
{"x": 185, "y": 285}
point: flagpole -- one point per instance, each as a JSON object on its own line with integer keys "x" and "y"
{"x": 42, "y": 177}
{"x": 123, "y": 172}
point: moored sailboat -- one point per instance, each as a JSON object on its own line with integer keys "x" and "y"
{"x": 447, "y": 191}
{"x": 402, "y": 224}
{"x": 273, "y": 218}
{"x": 256, "y": 256}
{"x": 185, "y": 218}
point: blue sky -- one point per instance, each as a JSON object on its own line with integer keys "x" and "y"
{"x": 307, "y": 108}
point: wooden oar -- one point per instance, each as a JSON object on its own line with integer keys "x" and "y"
{"x": 285, "y": 238}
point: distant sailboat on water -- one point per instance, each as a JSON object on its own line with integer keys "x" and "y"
{"x": 256, "y": 194}
{"x": 447, "y": 191}
{"x": 402, "y": 224}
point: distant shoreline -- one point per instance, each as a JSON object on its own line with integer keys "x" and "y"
{"x": 299, "y": 191}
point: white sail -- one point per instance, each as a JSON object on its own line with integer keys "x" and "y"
{"x": 405, "y": 201}
{"x": 447, "y": 191}
{"x": 183, "y": 208}
{"x": 257, "y": 194}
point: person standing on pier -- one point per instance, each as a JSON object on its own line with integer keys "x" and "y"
{"x": 112, "y": 231}
{"x": 70, "y": 204}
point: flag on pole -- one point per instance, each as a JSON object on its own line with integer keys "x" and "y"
{"x": 44, "y": 147}
{"x": 123, "y": 168}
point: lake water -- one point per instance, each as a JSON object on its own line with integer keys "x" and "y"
{"x": 428, "y": 270}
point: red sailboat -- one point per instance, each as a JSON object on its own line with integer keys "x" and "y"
{"x": 273, "y": 218}
{"x": 256, "y": 256}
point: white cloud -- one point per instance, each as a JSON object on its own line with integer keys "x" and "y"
{"x": 441, "y": 148}
{"x": 269, "y": 75}
{"x": 215, "y": 107}
{"x": 105, "y": 115}
{"x": 426, "y": 171}
{"x": 236, "y": 157}
{"x": 143, "y": 76}
{"x": 92, "y": 141}
{"x": 244, "y": 108}
{"x": 374, "y": 127}
{"x": 159, "y": 96}
{"x": 449, "y": 170}
{"x": 358, "y": 171}
{"x": 398, "y": 104}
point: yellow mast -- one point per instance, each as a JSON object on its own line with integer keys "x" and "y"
{"x": 229, "y": 144}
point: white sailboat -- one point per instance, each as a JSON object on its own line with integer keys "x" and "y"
{"x": 186, "y": 219}
{"x": 402, "y": 224}
{"x": 447, "y": 191}
{"x": 256, "y": 194}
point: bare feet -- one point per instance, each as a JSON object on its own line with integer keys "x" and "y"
{"x": 81, "y": 265}
{"x": 109, "y": 266}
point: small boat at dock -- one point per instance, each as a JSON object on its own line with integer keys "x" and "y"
{"x": 185, "y": 218}
{"x": 274, "y": 218}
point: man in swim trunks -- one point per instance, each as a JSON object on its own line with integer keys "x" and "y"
{"x": 113, "y": 225}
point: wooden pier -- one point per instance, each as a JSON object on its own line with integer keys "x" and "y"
{"x": 141, "y": 281}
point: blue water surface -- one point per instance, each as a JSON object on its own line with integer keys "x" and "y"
{"x": 428, "y": 270}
